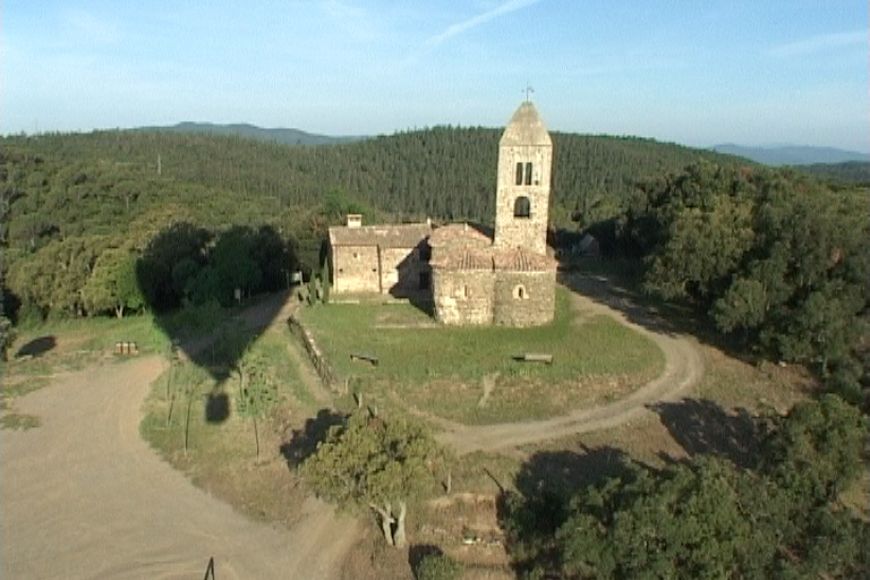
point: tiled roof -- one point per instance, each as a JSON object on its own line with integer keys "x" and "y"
{"x": 525, "y": 128}
{"x": 490, "y": 259}
{"x": 462, "y": 259}
{"x": 385, "y": 236}
{"x": 521, "y": 260}
{"x": 459, "y": 235}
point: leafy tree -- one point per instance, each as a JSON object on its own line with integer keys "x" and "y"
{"x": 167, "y": 262}
{"x": 769, "y": 255}
{"x": 233, "y": 260}
{"x": 113, "y": 284}
{"x": 257, "y": 394}
{"x": 437, "y": 567}
{"x": 382, "y": 464}
{"x": 708, "y": 518}
{"x": 7, "y": 335}
{"x": 325, "y": 281}
{"x": 815, "y": 451}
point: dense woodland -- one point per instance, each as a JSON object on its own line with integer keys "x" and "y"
{"x": 773, "y": 260}
{"x": 71, "y": 197}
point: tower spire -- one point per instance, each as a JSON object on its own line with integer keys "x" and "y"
{"x": 528, "y": 91}
{"x": 525, "y": 157}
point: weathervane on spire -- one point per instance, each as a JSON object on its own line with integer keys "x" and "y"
{"x": 528, "y": 90}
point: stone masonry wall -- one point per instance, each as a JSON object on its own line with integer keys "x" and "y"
{"x": 524, "y": 298}
{"x": 530, "y": 232}
{"x": 463, "y": 298}
{"x": 355, "y": 269}
{"x": 400, "y": 271}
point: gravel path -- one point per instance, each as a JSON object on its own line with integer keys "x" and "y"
{"x": 83, "y": 496}
{"x": 684, "y": 368}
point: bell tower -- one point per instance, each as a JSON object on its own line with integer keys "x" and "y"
{"x": 525, "y": 160}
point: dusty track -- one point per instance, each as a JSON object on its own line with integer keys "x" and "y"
{"x": 83, "y": 496}
{"x": 683, "y": 369}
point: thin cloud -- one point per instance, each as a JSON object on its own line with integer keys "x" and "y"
{"x": 478, "y": 20}
{"x": 821, "y": 43}
{"x": 463, "y": 26}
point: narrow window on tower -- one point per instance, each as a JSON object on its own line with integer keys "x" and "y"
{"x": 528, "y": 173}
{"x": 519, "y": 173}
{"x": 522, "y": 207}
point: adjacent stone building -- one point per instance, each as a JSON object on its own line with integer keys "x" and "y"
{"x": 472, "y": 277}
{"x": 383, "y": 259}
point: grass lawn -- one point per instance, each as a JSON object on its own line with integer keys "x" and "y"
{"x": 446, "y": 370}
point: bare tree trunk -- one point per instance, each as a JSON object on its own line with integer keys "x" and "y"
{"x": 399, "y": 539}
{"x": 171, "y": 405}
{"x": 257, "y": 438}
{"x": 169, "y": 379}
{"x": 386, "y": 521}
{"x": 187, "y": 422}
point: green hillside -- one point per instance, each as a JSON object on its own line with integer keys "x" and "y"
{"x": 69, "y": 184}
{"x": 79, "y": 209}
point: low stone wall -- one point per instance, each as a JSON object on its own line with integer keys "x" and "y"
{"x": 318, "y": 359}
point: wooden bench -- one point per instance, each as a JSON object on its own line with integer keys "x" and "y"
{"x": 358, "y": 356}
{"x": 535, "y": 357}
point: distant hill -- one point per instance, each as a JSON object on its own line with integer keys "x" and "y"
{"x": 283, "y": 136}
{"x": 792, "y": 154}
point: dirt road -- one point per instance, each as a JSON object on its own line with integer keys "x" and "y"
{"x": 83, "y": 496}
{"x": 683, "y": 369}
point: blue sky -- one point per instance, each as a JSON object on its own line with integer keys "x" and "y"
{"x": 699, "y": 72}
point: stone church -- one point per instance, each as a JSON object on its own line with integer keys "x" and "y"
{"x": 470, "y": 277}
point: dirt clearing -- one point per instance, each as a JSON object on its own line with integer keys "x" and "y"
{"x": 83, "y": 496}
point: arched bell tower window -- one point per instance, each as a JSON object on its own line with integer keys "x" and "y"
{"x": 522, "y": 207}
{"x": 524, "y": 173}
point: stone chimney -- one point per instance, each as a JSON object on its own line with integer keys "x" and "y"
{"x": 354, "y": 220}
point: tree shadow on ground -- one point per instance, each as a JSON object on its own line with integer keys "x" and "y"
{"x": 544, "y": 486}
{"x": 564, "y": 472}
{"x": 195, "y": 282}
{"x": 702, "y": 427}
{"x": 637, "y": 308}
{"x": 303, "y": 442}
{"x": 37, "y": 347}
{"x": 417, "y": 552}
{"x": 621, "y": 292}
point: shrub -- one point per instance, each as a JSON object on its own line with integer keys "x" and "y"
{"x": 437, "y": 567}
